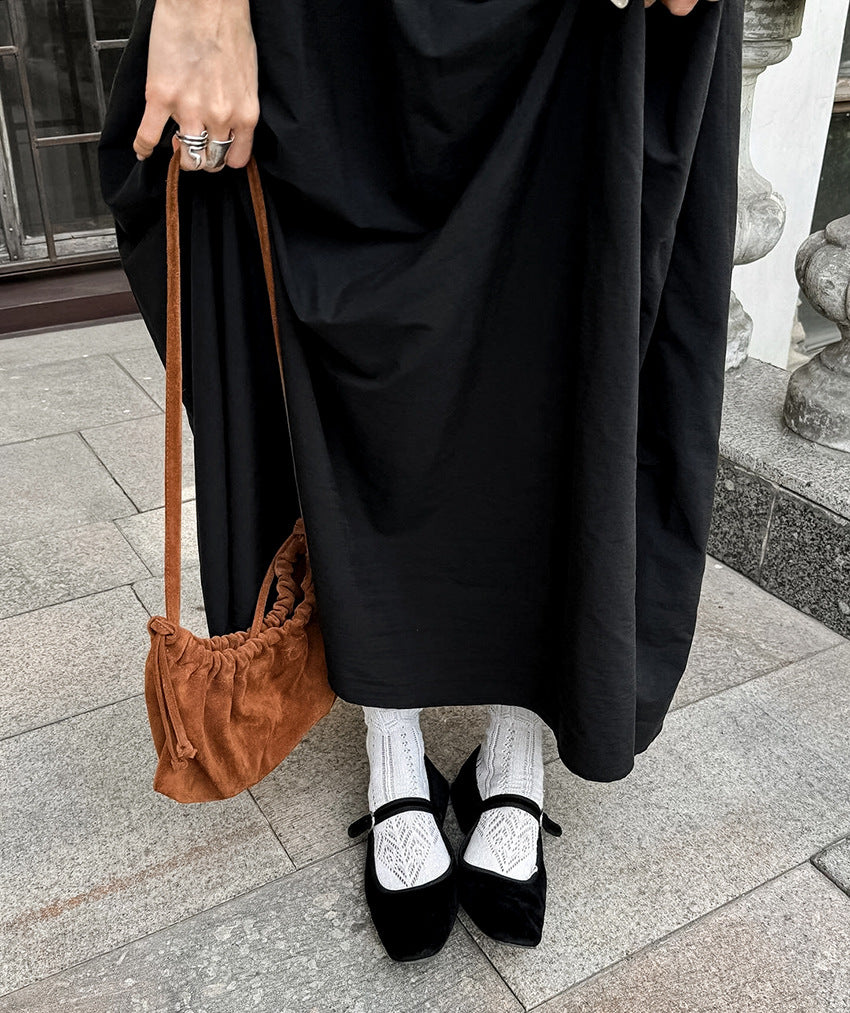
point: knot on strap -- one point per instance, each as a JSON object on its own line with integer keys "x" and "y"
{"x": 361, "y": 825}
{"x": 179, "y": 746}
{"x": 161, "y": 625}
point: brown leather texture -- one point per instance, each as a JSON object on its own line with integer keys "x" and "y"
{"x": 224, "y": 711}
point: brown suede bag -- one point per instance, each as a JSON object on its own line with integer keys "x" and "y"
{"x": 225, "y": 710}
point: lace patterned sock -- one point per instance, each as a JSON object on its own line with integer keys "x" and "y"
{"x": 409, "y": 848}
{"x": 510, "y": 760}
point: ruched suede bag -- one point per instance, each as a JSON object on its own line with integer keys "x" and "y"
{"x": 225, "y": 710}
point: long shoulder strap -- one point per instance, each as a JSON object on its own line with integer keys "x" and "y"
{"x": 174, "y": 369}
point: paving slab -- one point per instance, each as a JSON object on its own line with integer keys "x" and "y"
{"x": 811, "y": 700}
{"x": 92, "y": 857}
{"x": 146, "y": 368}
{"x": 54, "y": 483}
{"x": 73, "y": 343}
{"x": 133, "y": 452}
{"x": 59, "y": 397}
{"x": 742, "y": 633}
{"x": 726, "y": 798}
{"x": 146, "y": 533}
{"x": 303, "y": 944}
{"x": 451, "y": 733}
{"x": 312, "y": 796}
{"x": 68, "y": 658}
{"x": 65, "y": 564}
{"x": 151, "y": 593}
{"x": 782, "y": 947}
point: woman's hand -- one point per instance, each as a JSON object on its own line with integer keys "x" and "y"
{"x": 202, "y": 72}
{"x": 677, "y": 6}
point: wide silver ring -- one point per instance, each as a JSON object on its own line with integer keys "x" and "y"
{"x": 196, "y": 144}
{"x": 217, "y": 152}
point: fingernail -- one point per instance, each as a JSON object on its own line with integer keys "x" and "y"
{"x": 141, "y": 158}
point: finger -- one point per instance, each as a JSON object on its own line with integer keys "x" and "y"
{"x": 680, "y": 7}
{"x": 190, "y": 125}
{"x": 150, "y": 129}
{"x": 648, "y": 3}
{"x": 240, "y": 150}
{"x": 219, "y": 130}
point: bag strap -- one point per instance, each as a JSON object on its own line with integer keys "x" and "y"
{"x": 174, "y": 379}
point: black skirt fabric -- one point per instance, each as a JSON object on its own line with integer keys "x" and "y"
{"x": 503, "y": 233}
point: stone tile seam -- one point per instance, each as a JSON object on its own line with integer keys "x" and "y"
{"x": 67, "y": 432}
{"x": 348, "y": 846}
{"x": 295, "y": 871}
{"x": 123, "y": 368}
{"x": 119, "y": 884}
{"x": 751, "y": 468}
{"x": 135, "y": 553}
{"x": 105, "y": 466}
{"x": 465, "y": 929}
{"x": 766, "y": 537}
{"x": 824, "y": 874}
{"x": 139, "y": 600}
{"x": 842, "y": 642}
{"x": 90, "y": 450}
{"x": 661, "y": 940}
{"x": 553, "y": 760}
{"x": 786, "y": 492}
{"x": 70, "y": 717}
{"x": 843, "y": 836}
{"x": 747, "y": 682}
{"x": 161, "y": 509}
{"x": 276, "y": 835}
{"x": 6, "y": 353}
{"x": 88, "y": 594}
{"x": 780, "y": 722}
{"x": 147, "y": 935}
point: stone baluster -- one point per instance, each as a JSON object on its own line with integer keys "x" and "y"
{"x": 817, "y": 401}
{"x": 769, "y": 27}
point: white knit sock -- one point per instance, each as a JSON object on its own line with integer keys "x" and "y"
{"x": 409, "y": 848}
{"x": 510, "y": 760}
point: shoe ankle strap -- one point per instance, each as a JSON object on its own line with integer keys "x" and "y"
{"x": 528, "y": 804}
{"x": 391, "y": 808}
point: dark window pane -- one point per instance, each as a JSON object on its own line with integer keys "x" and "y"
{"x": 58, "y": 60}
{"x": 108, "y": 65}
{"x": 113, "y": 19}
{"x": 71, "y": 182}
{"x": 20, "y": 148}
{"x": 834, "y": 190}
{"x": 5, "y": 27}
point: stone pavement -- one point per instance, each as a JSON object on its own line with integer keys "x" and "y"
{"x": 713, "y": 877}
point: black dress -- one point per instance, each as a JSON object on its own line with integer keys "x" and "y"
{"x": 504, "y": 234}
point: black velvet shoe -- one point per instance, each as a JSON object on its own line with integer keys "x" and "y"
{"x": 509, "y": 910}
{"x": 415, "y": 922}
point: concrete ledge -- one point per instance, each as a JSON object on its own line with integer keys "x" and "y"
{"x": 782, "y": 504}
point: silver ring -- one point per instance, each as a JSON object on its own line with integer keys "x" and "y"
{"x": 217, "y": 152}
{"x": 196, "y": 144}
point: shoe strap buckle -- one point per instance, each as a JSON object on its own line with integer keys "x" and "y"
{"x": 362, "y": 824}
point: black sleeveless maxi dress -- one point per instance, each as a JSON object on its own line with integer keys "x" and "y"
{"x": 503, "y": 234}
